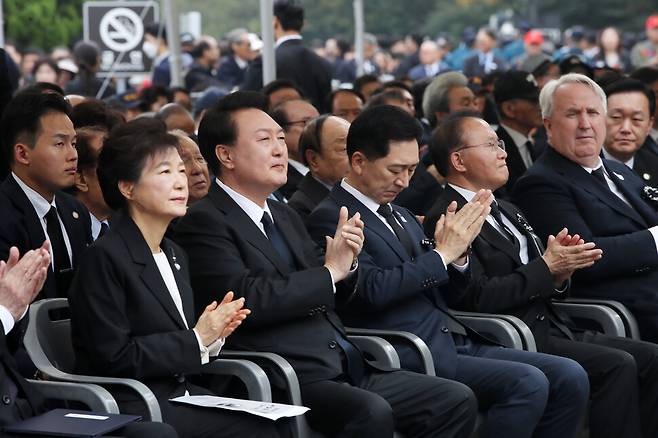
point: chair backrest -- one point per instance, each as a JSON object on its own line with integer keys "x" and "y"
{"x": 48, "y": 336}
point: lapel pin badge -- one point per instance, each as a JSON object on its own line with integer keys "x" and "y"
{"x": 650, "y": 193}
{"x": 75, "y": 215}
{"x": 621, "y": 177}
{"x": 524, "y": 223}
{"x": 646, "y": 176}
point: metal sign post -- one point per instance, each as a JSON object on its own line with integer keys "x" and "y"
{"x": 266, "y": 28}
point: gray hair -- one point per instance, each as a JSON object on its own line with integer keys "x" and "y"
{"x": 235, "y": 35}
{"x": 547, "y": 95}
{"x": 435, "y": 97}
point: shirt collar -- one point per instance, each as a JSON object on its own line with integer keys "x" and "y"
{"x": 39, "y": 203}
{"x": 590, "y": 169}
{"x": 654, "y": 134}
{"x": 253, "y": 210}
{"x": 466, "y": 194}
{"x": 368, "y": 202}
{"x": 519, "y": 139}
{"x": 285, "y": 38}
{"x": 240, "y": 62}
{"x": 628, "y": 163}
{"x": 298, "y": 166}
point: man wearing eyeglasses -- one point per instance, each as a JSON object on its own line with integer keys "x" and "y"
{"x": 292, "y": 116}
{"x": 407, "y": 281}
{"x": 512, "y": 273}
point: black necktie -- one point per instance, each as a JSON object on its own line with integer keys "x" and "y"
{"x": 403, "y": 235}
{"x": 62, "y": 262}
{"x": 104, "y": 229}
{"x": 277, "y": 241}
{"x": 498, "y": 217}
{"x": 531, "y": 150}
{"x": 600, "y": 177}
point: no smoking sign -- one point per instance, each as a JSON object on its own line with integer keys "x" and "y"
{"x": 118, "y": 29}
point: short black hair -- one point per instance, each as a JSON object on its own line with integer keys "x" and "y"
{"x": 125, "y": 152}
{"x": 630, "y": 85}
{"x": 157, "y": 30}
{"x": 21, "y": 120}
{"x": 290, "y": 14}
{"x": 447, "y": 137}
{"x": 52, "y": 64}
{"x": 648, "y": 74}
{"x": 280, "y": 115}
{"x": 93, "y": 112}
{"x": 199, "y": 48}
{"x": 393, "y": 85}
{"x": 364, "y": 80}
{"x": 149, "y": 95}
{"x": 330, "y": 98}
{"x": 279, "y": 84}
{"x": 384, "y": 96}
{"x": 311, "y": 138}
{"x": 374, "y": 129}
{"x": 87, "y": 157}
{"x": 218, "y": 127}
{"x": 43, "y": 87}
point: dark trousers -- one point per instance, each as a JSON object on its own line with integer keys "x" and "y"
{"x": 416, "y": 405}
{"x": 525, "y": 394}
{"x": 623, "y": 377}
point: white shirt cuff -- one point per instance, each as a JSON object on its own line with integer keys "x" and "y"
{"x": 654, "y": 233}
{"x": 6, "y": 319}
{"x": 211, "y": 350}
{"x": 461, "y": 268}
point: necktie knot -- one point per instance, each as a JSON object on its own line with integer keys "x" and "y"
{"x": 266, "y": 220}
{"x": 385, "y": 210}
{"x": 600, "y": 175}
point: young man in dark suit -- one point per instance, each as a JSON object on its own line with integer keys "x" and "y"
{"x": 407, "y": 281}
{"x": 237, "y": 240}
{"x": 513, "y": 273}
{"x": 601, "y": 200}
{"x": 323, "y": 148}
{"x": 38, "y": 141}
{"x": 294, "y": 61}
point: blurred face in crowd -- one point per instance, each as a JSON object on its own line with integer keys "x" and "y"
{"x": 576, "y": 128}
{"x": 331, "y": 165}
{"x": 369, "y": 88}
{"x": 196, "y": 169}
{"x": 298, "y": 112}
{"x": 627, "y": 124}
{"x": 610, "y": 39}
{"x": 86, "y": 182}
{"x": 407, "y": 102}
{"x": 45, "y": 73}
{"x": 483, "y": 41}
{"x": 654, "y": 87}
{"x": 553, "y": 72}
{"x": 461, "y": 98}
{"x": 346, "y": 105}
{"x": 429, "y": 53}
{"x": 479, "y": 160}
{"x": 257, "y": 164}
{"x": 51, "y": 163}
{"x": 282, "y": 95}
{"x": 161, "y": 190}
{"x": 242, "y": 48}
{"x": 652, "y": 35}
{"x": 384, "y": 178}
{"x": 524, "y": 113}
{"x": 27, "y": 63}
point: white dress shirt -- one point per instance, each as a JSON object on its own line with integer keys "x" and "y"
{"x": 42, "y": 207}
{"x": 96, "y": 225}
{"x": 628, "y": 163}
{"x": 285, "y": 38}
{"x": 170, "y": 281}
{"x": 520, "y": 143}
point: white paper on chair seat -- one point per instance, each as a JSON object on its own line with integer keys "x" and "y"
{"x": 273, "y": 411}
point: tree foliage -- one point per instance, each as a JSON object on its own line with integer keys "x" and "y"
{"x": 43, "y": 23}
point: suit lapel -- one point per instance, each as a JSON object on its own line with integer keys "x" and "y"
{"x": 180, "y": 275}
{"x": 246, "y": 227}
{"x": 149, "y": 272}
{"x": 582, "y": 179}
{"x": 371, "y": 221}
{"x": 639, "y": 205}
{"x": 73, "y": 223}
{"x": 313, "y": 189}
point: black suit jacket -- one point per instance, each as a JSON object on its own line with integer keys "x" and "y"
{"x": 292, "y": 183}
{"x": 500, "y": 282}
{"x": 472, "y": 67}
{"x": 293, "y": 312}
{"x": 646, "y": 166}
{"x": 396, "y": 291}
{"x": 230, "y": 72}
{"x": 557, "y": 193}
{"x": 650, "y": 145}
{"x": 124, "y": 322}
{"x": 301, "y": 65}
{"x": 515, "y": 164}
{"x": 28, "y": 402}
{"x": 308, "y": 195}
{"x": 21, "y": 227}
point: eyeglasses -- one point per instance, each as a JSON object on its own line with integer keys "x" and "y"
{"x": 491, "y": 144}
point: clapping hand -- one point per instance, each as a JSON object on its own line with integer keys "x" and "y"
{"x": 220, "y": 320}
{"x": 565, "y": 253}
{"x": 345, "y": 246}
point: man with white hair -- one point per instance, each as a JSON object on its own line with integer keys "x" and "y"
{"x": 603, "y": 201}
{"x": 446, "y": 94}
{"x": 431, "y": 61}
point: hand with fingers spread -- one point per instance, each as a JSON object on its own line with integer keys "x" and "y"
{"x": 566, "y": 253}
{"x": 220, "y": 320}
{"x": 345, "y": 246}
{"x": 21, "y": 279}
{"x": 456, "y": 230}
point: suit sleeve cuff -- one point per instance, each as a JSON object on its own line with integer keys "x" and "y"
{"x": 442, "y": 260}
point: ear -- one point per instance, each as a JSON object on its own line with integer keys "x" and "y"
{"x": 126, "y": 189}
{"x": 651, "y": 120}
{"x": 507, "y": 108}
{"x": 312, "y": 159}
{"x": 224, "y": 155}
{"x": 547, "y": 126}
{"x": 358, "y": 162}
{"x": 22, "y": 154}
{"x": 457, "y": 163}
{"x": 81, "y": 182}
